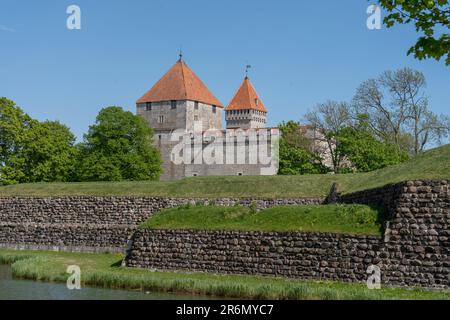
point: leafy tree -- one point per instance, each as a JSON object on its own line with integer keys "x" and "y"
{"x": 48, "y": 152}
{"x": 296, "y": 152}
{"x": 32, "y": 151}
{"x": 13, "y": 125}
{"x": 328, "y": 119}
{"x": 365, "y": 152}
{"x": 429, "y": 17}
{"x": 118, "y": 147}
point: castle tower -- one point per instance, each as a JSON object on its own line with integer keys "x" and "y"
{"x": 246, "y": 110}
{"x": 176, "y": 101}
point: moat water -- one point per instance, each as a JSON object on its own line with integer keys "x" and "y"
{"x": 16, "y": 289}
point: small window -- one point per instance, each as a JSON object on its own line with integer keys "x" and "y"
{"x": 195, "y": 174}
{"x": 148, "y": 106}
{"x": 173, "y": 104}
{"x": 256, "y": 101}
{"x": 161, "y": 119}
{"x": 214, "y": 109}
{"x": 195, "y": 118}
{"x": 240, "y": 174}
{"x": 196, "y": 105}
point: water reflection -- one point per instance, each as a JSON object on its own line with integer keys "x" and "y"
{"x": 13, "y": 289}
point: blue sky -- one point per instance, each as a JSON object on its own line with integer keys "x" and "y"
{"x": 302, "y": 53}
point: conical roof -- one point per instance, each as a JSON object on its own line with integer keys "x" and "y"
{"x": 180, "y": 83}
{"x": 246, "y": 98}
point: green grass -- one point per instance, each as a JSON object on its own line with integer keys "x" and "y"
{"x": 433, "y": 164}
{"x": 353, "y": 219}
{"x": 103, "y": 270}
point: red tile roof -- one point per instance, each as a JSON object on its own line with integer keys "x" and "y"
{"x": 180, "y": 83}
{"x": 246, "y": 98}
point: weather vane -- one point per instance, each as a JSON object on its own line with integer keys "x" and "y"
{"x": 181, "y": 53}
{"x": 247, "y": 67}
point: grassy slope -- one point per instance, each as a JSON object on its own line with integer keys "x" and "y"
{"x": 434, "y": 164}
{"x": 102, "y": 270}
{"x": 353, "y": 219}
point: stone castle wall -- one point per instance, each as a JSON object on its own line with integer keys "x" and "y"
{"x": 325, "y": 256}
{"x": 181, "y": 117}
{"x": 65, "y": 237}
{"x": 413, "y": 251}
{"x": 232, "y": 153}
{"x": 114, "y": 210}
{"x": 92, "y": 224}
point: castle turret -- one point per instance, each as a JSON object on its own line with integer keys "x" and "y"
{"x": 179, "y": 99}
{"x": 246, "y": 110}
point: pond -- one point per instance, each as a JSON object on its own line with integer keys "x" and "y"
{"x": 15, "y": 289}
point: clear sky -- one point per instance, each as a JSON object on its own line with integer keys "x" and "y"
{"x": 302, "y": 53}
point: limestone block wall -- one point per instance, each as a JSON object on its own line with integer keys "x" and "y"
{"x": 164, "y": 119}
{"x": 172, "y": 118}
{"x": 209, "y": 116}
{"x": 241, "y": 154}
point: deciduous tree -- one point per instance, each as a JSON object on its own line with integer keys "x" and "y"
{"x": 32, "y": 151}
{"x": 48, "y": 151}
{"x": 430, "y": 17}
{"x": 296, "y": 152}
{"x": 397, "y": 110}
{"x": 118, "y": 147}
{"x": 328, "y": 119}
{"x": 365, "y": 151}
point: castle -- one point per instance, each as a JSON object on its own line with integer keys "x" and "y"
{"x": 187, "y": 122}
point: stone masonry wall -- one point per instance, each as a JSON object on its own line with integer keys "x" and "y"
{"x": 65, "y": 237}
{"x": 413, "y": 251}
{"x": 324, "y": 256}
{"x": 416, "y": 249}
{"x": 112, "y": 210}
{"x": 91, "y": 224}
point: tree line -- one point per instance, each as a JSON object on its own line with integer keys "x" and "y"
{"x": 118, "y": 146}
{"x": 387, "y": 122}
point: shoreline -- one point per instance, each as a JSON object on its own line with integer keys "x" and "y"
{"x": 104, "y": 271}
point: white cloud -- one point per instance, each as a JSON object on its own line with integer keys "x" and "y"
{"x": 7, "y": 29}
